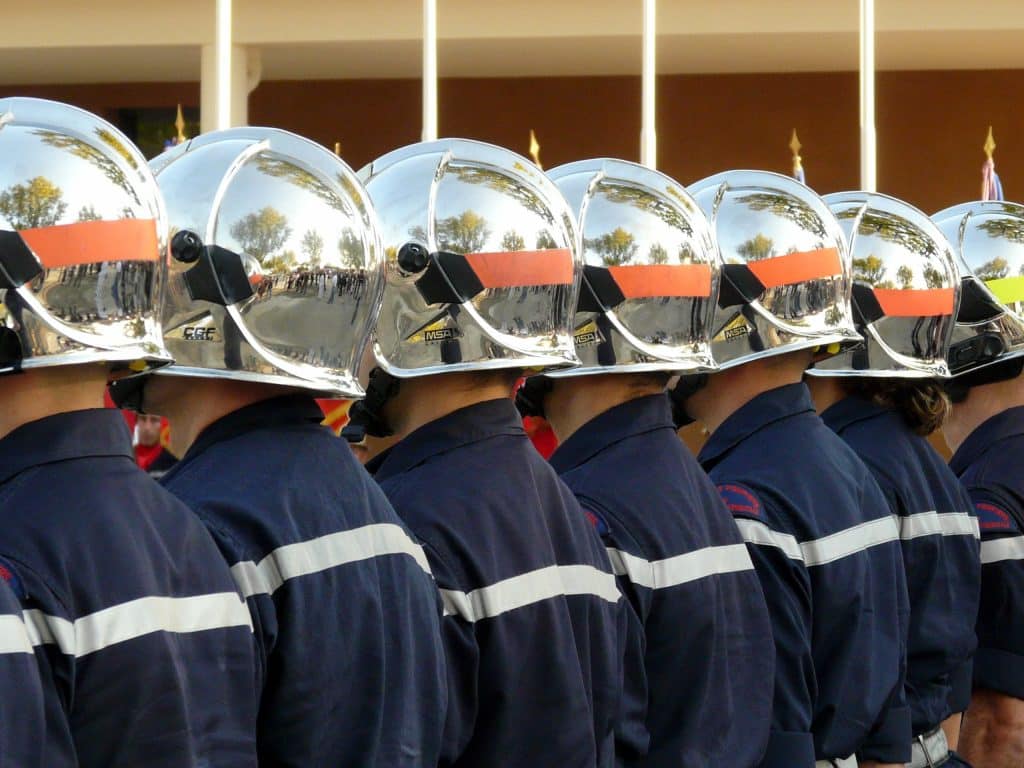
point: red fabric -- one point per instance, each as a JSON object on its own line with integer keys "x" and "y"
{"x": 147, "y": 454}
{"x": 541, "y": 435}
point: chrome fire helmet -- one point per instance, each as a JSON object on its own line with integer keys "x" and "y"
{"x": 482, "y": 268}
{"x": 988, "y": 240}
{"x": 905, "y": 289}
{"x": 785, "y": 268}
{"x": 83, "y": 242}
{"x": 651, "y": 270}
{"x": 276, "y": 269}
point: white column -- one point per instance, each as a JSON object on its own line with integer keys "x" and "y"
{"x": 868, "y": 147}
{"x": 648, "y": 133}
{"x": 246, "y": 66}
{"x": 222, "y": 53}
{"x": 429, "y": 70}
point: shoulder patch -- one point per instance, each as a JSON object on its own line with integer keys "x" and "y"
{"x": 740, "y": 499}
{"x": 993, "y": 518}
{"x": 10, "y": 577}
{"x": 597, "y": 521}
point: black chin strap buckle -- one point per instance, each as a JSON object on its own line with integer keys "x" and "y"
{"x": 365, "y": 416}
{"x": 530, "y": 396}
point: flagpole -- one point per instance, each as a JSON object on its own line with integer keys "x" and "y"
{"x": 868, "y": 146}
{"x": 222, "y": 55}
{"x": 429, "y": 70}
{"x": 648, "y": 134}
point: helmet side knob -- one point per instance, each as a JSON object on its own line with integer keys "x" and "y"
{"x": 413, "y": 258}
{"x": 186, "y": 247}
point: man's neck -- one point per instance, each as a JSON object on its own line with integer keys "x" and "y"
{"x": 982, "y": 403}
{"x": 575, "y": 400}
{"x": 826, "y": 391}
{"x": 425, "y": 399}
{"x": 38, "y": 393}
{"x": 193, "y": 404}
{"x": 728, "y": 391}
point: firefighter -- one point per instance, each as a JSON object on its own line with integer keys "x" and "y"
{"x": 819, "y": 530}
{"x": 277, "y": 277}
{"x": 985, "y": 431}
{"x": 883, "y": 397}
{"x": 143, "y": 643}
{"x": 482, "y": 281}
{"x": 678, "y": 554}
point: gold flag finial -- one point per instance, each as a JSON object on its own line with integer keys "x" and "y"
{"x": 796, "y": 146}
{"x": 337, "y": 148}
{"x": 535, "y": 149}
{"x": 990, "y": 144}
{"x": 179, "y": 123}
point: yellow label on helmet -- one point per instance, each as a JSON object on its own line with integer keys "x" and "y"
{"x": 1007, "y": 289}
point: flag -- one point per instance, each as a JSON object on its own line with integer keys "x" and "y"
{"x": 991, "y": 186}
{"x": 535, "y": 149}
{"x": 335, "y": 413}
{"x": 798, "y": 166}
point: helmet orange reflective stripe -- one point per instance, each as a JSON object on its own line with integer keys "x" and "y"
{"x": 645, "y": 281}
{"x": 520, "y": 269}
{"x": 94, "y": 242}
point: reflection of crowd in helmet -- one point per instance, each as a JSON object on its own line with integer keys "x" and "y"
{"x": 119, "y": 289}
{"x": 326, "y": 284}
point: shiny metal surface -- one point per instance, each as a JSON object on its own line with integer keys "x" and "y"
{"x": 776, "y": 230}
{"x": 988, "y": 241}
{"x": 906, "y": 289}
{"x": 495, "y": 211}
{"x": 301, "y": 224}
{"x": 641, "y": 231}
{"x": 83, "y": 201}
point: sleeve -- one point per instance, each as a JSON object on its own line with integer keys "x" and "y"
{"x": 22, "y": 709}
{"x": 787, "y": 591}
{"x": 632, "y": 738}
{"x": 890, "y": 738}
{"x": 462, "y": 657}
{"x": 999, "y": 661}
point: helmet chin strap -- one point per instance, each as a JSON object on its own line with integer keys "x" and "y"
{"x": 530, "y": 396}
{"x": 683, "y": 391}
{"x": 365, "y": 417}
{"x": 127, "y": 393}
{"x": 958, "y": 387}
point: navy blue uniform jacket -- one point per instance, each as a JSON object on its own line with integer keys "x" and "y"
{"x": 532, "y": 613}
{"x": 827, "y": 551}
{"x": 939, "y": 537}
{"x": 681, "y": 562}
{"x": 989, "y": 464}
{"x": 22, "y": 719}
{"x": 351, "y": 669}
{"x": 144, "y": 644}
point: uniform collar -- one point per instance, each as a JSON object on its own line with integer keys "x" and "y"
{"x": 63, "y": 436}
{"x": 1009, "y": 423}
{"x": 765, "y": 409}
{"x": 634, "y": 417}
{"x": 852, "y": 409}
{"x": 275, "y": 412}
{"x": 459, "y": 428}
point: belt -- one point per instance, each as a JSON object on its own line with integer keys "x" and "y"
{"x": 838, "y": 762}
{"x": 929, "y": 750}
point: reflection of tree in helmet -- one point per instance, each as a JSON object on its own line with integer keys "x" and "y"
{"x": 261, "y": 233}
{"x": 896, "y": 229}
{"x": 545, "y": 241}
{"x": 933, "y": 278}
{"x": 512, "y": 241}
{"x": 88, "y": 213}
{"x": 94, "y": 156}
{"x": 465, "y": 233}
{"x": 994, "y": 269}
{"x": 786, "y": 206}
{"x": 905, "y": 276}
{"x": 658, "y": 254}
{"x": 642, "y": 200}
{"x": 506, "y": 185}
{"x": 312, "y": 247}
{"x": 758, "y": 247}
{"x": 615, "y": 248}
{"x": 869, "y": 269}
{"x": 301, "y": 178}
{"x": 351, "y": 249}
{"x": 1010, "y": 227}
{"x": 37, "y": 203}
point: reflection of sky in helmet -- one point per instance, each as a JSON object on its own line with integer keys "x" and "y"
{"x": 625, "y": 224}
{"x": 76, "y": 181}
{"x": 994, "y": 246}
{"x": 752, "y": 226}
{"x": 479, "y": 209}
{"x": 287, "y": 217}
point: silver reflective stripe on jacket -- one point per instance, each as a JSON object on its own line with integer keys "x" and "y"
{"x": 929, "y": 750}
{"x": 838, "y": 762}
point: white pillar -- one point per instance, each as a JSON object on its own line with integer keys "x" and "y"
{"x": 648, "y": 132}
{"x": 868, "y": 146}
{"x": 246, "y": 70}
{"x": 222, "y": 55}
{"x": 429, "y": 70}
